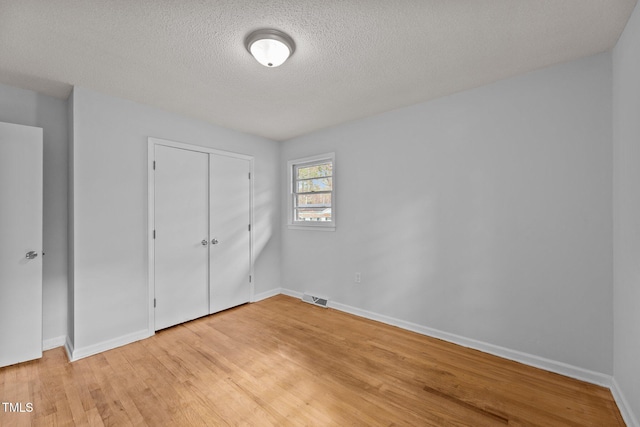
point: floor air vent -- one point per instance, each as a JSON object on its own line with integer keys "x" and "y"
{"x": 322, "y": 302}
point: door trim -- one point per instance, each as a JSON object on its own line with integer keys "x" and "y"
{"x": 151, "y": 144}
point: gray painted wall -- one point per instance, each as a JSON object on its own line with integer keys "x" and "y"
{"x": 110, "y": 208}
{"x": 485, "y": 214}
{"x": 626, "y": 148}
{"x": 29, "y": 108}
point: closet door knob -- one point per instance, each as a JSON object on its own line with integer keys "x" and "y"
{"x": 214, "y": 242}
{"x": 204, "y": 243}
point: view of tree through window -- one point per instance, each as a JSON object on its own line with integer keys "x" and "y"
{"x": 313, "y": 190}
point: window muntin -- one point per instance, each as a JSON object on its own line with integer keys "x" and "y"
{"x": 312, "y": 192}
{"x": 314, "y": 185}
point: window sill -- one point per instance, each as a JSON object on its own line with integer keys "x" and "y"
{"x": 311, "y": 227}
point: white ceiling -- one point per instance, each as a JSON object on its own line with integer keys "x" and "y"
{"x": 353, "y": 58}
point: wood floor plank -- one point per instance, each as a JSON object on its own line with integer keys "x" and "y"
{"x": 282, "y": 362}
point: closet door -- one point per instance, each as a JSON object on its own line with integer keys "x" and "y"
{"x": 230, "y": 237}
{"x": 181, "y": 242}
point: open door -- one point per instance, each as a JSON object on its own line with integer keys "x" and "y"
{"x": 20, "y": 243}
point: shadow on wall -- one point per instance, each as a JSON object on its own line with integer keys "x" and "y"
{"x": 263, "y": 216}
{"x": 432, "y": 254}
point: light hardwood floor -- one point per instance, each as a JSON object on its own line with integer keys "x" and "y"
{"x": 284, "y": 362}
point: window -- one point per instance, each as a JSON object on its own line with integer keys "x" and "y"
{"x": 312, "y": 193}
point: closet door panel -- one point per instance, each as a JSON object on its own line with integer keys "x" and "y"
{"x": 230, "y": 237}
{"x": 182, "y": 229}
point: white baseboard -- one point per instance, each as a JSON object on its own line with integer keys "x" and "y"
{"x": 625, "y": 409}
{"x": 79, "y": 353}
{"x": 265, "y": 295}
{"x": 291, "y": 293}
{"x": 51, "y": 343}
{"x": 561, "y": 368}
{"x": 518, "y": 356}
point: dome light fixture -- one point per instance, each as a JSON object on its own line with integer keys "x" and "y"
{"x": 270, "y": 47}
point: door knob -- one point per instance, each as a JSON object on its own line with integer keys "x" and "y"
{"x": 204, "y": 243}
{"x": 32, "y": 254}
{"x": 214, "y": 242}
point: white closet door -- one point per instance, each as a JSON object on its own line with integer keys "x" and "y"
{"x": 230, "y": 218}
{"x": 20, "y": 243}
{"x": 182, "y": 235}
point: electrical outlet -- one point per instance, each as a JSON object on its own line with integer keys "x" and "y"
{"x": 358, "y": 278}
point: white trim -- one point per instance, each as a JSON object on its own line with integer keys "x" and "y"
{"x": 80, "y": 353}
{"x": 252, "y": 272}
{"x": 68, "y": 347}
{"x": 151, "y": 254}
{"x": 291, "y": 293}
{"x": 311, "y": 225}
{"x": 518, "y": 356}
{"x": 199, "y": 148}
{"x": 151, "y": 143}
{"x": 268, "y": 294}
{"x": 51, "y": 343}
{"x": 623, "y": 405}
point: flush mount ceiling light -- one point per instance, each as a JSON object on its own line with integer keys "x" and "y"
{"x": 270, "y": 47}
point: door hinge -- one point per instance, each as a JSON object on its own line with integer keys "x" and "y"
{"x": 154, "y": 303}
{"x": 249, "y": 227}
{"x": 249, "y": 278}
{"x": 154, "y": 234}
{"x": 154, "y": 165}
{"x": 249, "y": 175}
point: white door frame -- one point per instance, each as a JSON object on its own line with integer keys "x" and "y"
{"x": 151, "y": 144}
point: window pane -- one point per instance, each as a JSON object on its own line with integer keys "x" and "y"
{"x": 313, "y": 200}
{"x": 311, "y": 185}
{"x": 315, "y": 171}
{"x": 313, "y": 214}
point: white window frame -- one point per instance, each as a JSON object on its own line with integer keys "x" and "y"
{"x": 311, "y": 225}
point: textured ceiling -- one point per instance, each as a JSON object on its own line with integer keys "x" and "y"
{"x": 353, "y": 58}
